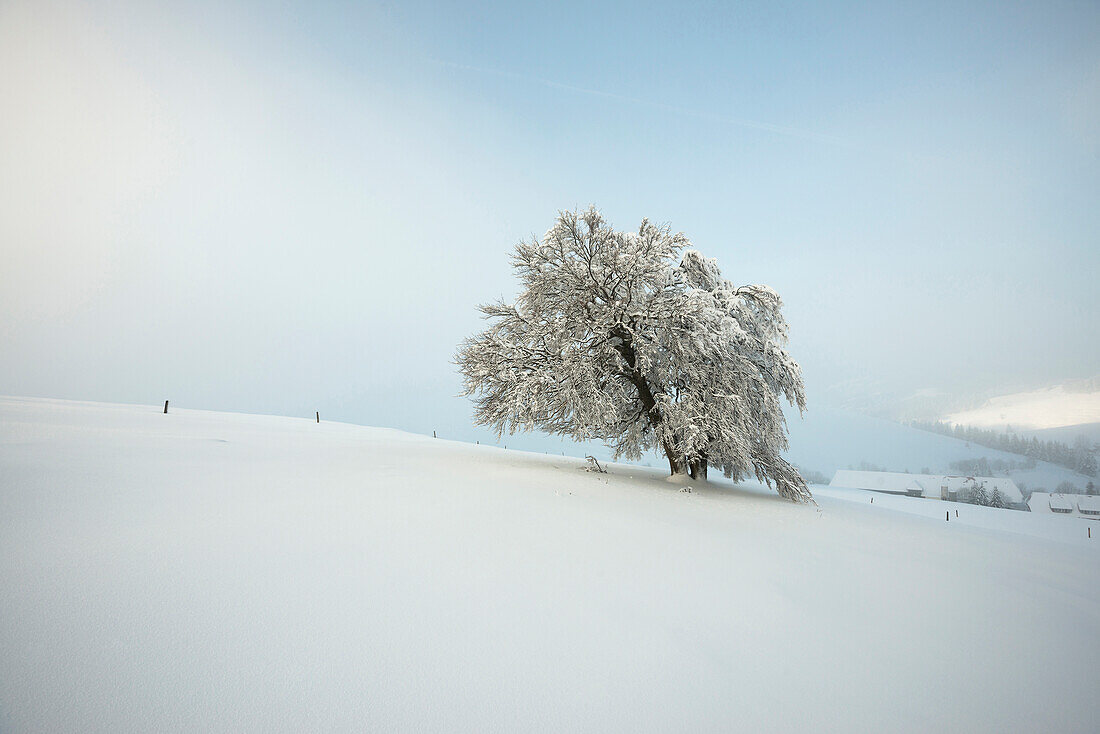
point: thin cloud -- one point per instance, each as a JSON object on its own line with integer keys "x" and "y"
{"x": 786, "y": 130}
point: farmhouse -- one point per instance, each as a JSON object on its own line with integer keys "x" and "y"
{"x": 1066, "y": 505}
{"x": 932, "y": 486}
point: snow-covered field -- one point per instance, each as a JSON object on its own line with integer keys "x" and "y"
{"x": 205, "y": 571}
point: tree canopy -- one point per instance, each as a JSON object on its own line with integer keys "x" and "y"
{"x": 635, "y": 339}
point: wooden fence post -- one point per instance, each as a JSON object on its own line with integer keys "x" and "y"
{"x": 166, "y": 407}
{"x": 318, "y": 416}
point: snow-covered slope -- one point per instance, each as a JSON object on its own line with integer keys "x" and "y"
{"x": 1068, "y": 434}
{"x": 216, "y": 572}
{"x": 827, "y": 440}
{"x": 1074, "y": 404}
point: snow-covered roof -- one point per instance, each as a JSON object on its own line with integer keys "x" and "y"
{"x": 1070, "y": 505}
{"x": 929, "y": 484}
{"x": 1060, "y": 502}
{"x": 1088, "y": 503}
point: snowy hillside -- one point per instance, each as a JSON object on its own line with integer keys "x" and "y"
{"x": 203, "y": 571}
{"x": 1072, "y": 404}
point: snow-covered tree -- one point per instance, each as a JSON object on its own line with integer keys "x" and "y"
{"x": 630, "y": 338}
{"x": 1083, "y": 459}
{"x": 975, "y": 492}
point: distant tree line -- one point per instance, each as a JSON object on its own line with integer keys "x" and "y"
{"x": 813, "y": 476}
{"x": 1079, "y": 458}
{"x": 1068, "y": 487}
{"x": 868, "y": 466}
{"x": 983, "y": 467}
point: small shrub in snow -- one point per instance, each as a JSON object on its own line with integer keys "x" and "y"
{"x": 594, "y": 466}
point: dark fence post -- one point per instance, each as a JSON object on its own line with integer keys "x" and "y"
{"x": 318, "y": 416}
{"x": 166, "y": 407}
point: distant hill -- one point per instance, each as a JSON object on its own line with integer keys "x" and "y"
{"x": 827, "y": 440}
{"x": 1059, "y": 407}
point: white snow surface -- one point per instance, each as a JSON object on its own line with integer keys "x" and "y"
{"x": 1053, "y": 407}
{"x": 203, "y": 571}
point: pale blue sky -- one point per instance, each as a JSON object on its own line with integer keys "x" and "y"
{"x": 296, "y": 206}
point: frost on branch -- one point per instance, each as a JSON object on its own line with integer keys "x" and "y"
{"x": 632, "y": 339}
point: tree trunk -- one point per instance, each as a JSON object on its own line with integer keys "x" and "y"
{"x": 676, "y": 464}
{"x": 698, "y": 469}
